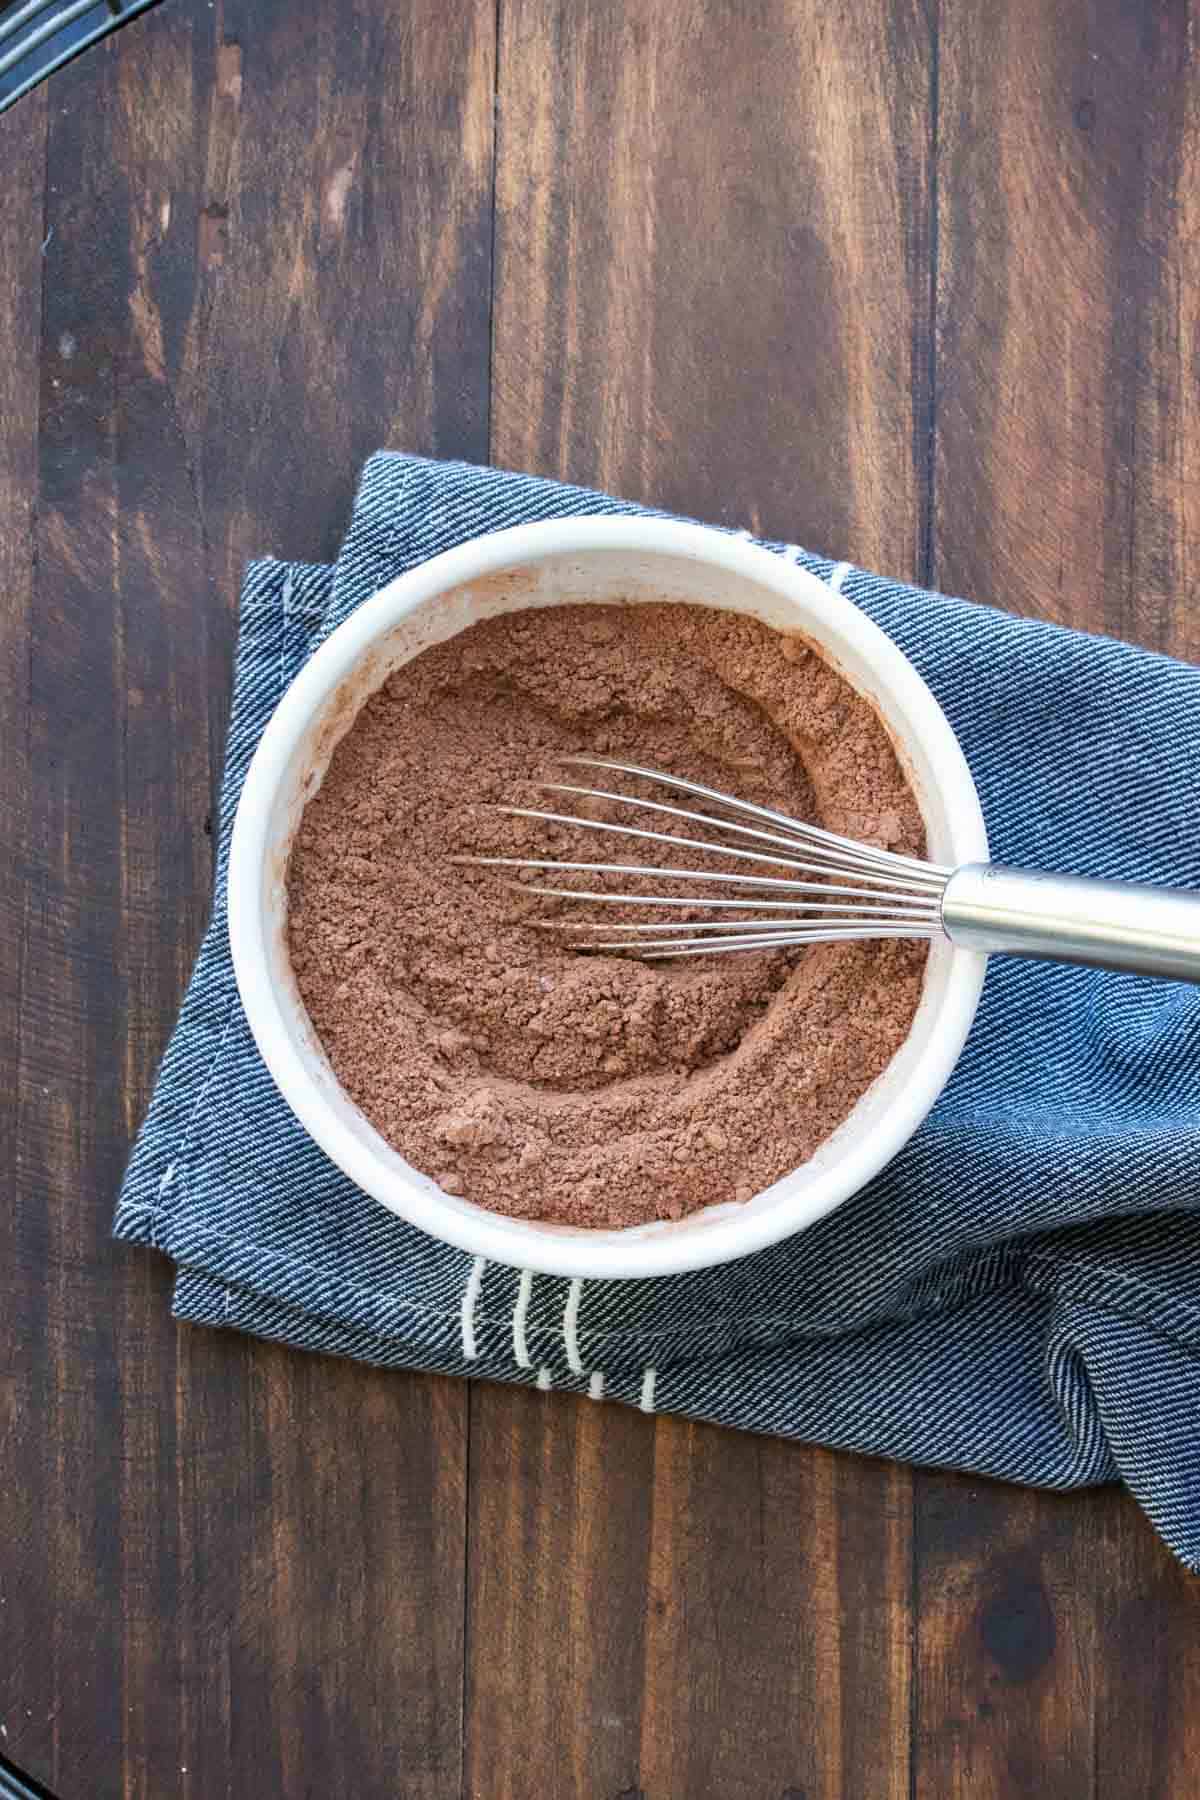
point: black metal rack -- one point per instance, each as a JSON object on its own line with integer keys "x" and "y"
{"x": 39, "y": 36}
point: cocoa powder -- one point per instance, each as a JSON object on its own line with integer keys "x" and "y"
{"x": 535, "y": 1079}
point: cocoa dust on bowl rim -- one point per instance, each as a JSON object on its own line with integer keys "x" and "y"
{"x": 573, "y": 562}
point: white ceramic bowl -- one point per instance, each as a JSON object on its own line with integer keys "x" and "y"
{"x": 590, "y": 560}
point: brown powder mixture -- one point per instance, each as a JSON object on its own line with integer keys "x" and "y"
{"x": 516, "y": 1070}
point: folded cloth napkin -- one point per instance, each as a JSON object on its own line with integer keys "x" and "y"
{"x": 1017, "y": 1295}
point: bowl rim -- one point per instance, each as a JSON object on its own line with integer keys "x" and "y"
{"x": 523, "y": 1243}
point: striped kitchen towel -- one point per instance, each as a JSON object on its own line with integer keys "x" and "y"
{"x": 1017, "y": 1295}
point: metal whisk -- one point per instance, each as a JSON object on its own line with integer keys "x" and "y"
{"x": 836, "y": 889}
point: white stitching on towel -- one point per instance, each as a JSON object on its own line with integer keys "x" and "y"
{"x": 520, "y": 1311}
{"x": 837, "y": 576}
{"x": 649, "y": 1381}
{"x": 543, "y": 1380}
{"x": 596, "y": 1385}
{"x": 470, "y": 1297}
{"x": 571, "y": 1325}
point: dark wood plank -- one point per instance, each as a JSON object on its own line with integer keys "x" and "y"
{"x": 713, "y": 262}
{"x": 1145, "y": 1683}
{"x": 712, "y": 257}
{"x": 1066, "y": 483}
{"x": 665, "y": 1608}
{"x": 1055, "y": 1639}
{"x": 778, "y": 1601}
{"x": 1164, "y": 550}
{"x": 1007, "y": 1641}
{"x": 1053, "y": 1631}
{"x": 234, "y": 1570}
{"x": 558, "y": 1595}
{"x": 22, "y": 1231}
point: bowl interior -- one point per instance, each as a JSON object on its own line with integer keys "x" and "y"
{"x": 427, "y": 607}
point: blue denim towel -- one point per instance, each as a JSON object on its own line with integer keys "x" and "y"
{"x": 1018, "y": 1294}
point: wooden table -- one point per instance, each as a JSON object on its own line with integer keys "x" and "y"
{"x": 914, "y": 284}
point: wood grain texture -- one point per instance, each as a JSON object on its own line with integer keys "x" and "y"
{"x": 560, "y": 1501}
{"x": 766, "y": 1631}
{"x": 712, "y": 261}
{"x": 1007, "y": 1641}
{"x": 1067, "y": 477}
{"x": 229, "y": 1570}
{"x": 23, "y": 1232}
{"x": 1052, "y": 1660}
{"x": 916, "y": 285}
{"x": 658, "y": 1607}
{"x": 1145, "y": 1676}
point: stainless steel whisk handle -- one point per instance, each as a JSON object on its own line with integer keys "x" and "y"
{"x": 1105, "y": 924}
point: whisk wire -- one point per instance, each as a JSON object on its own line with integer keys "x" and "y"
{"x": 834, "y": 889}
{"x": 884, "y": 859}
{"x": 664, "y": 947}
{"x": 810, "y": 833}
{"x": 649, "y": 873}
{"x": 688, "y": 843}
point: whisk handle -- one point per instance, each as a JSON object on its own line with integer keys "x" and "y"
{"x": 1107, "y": 924}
